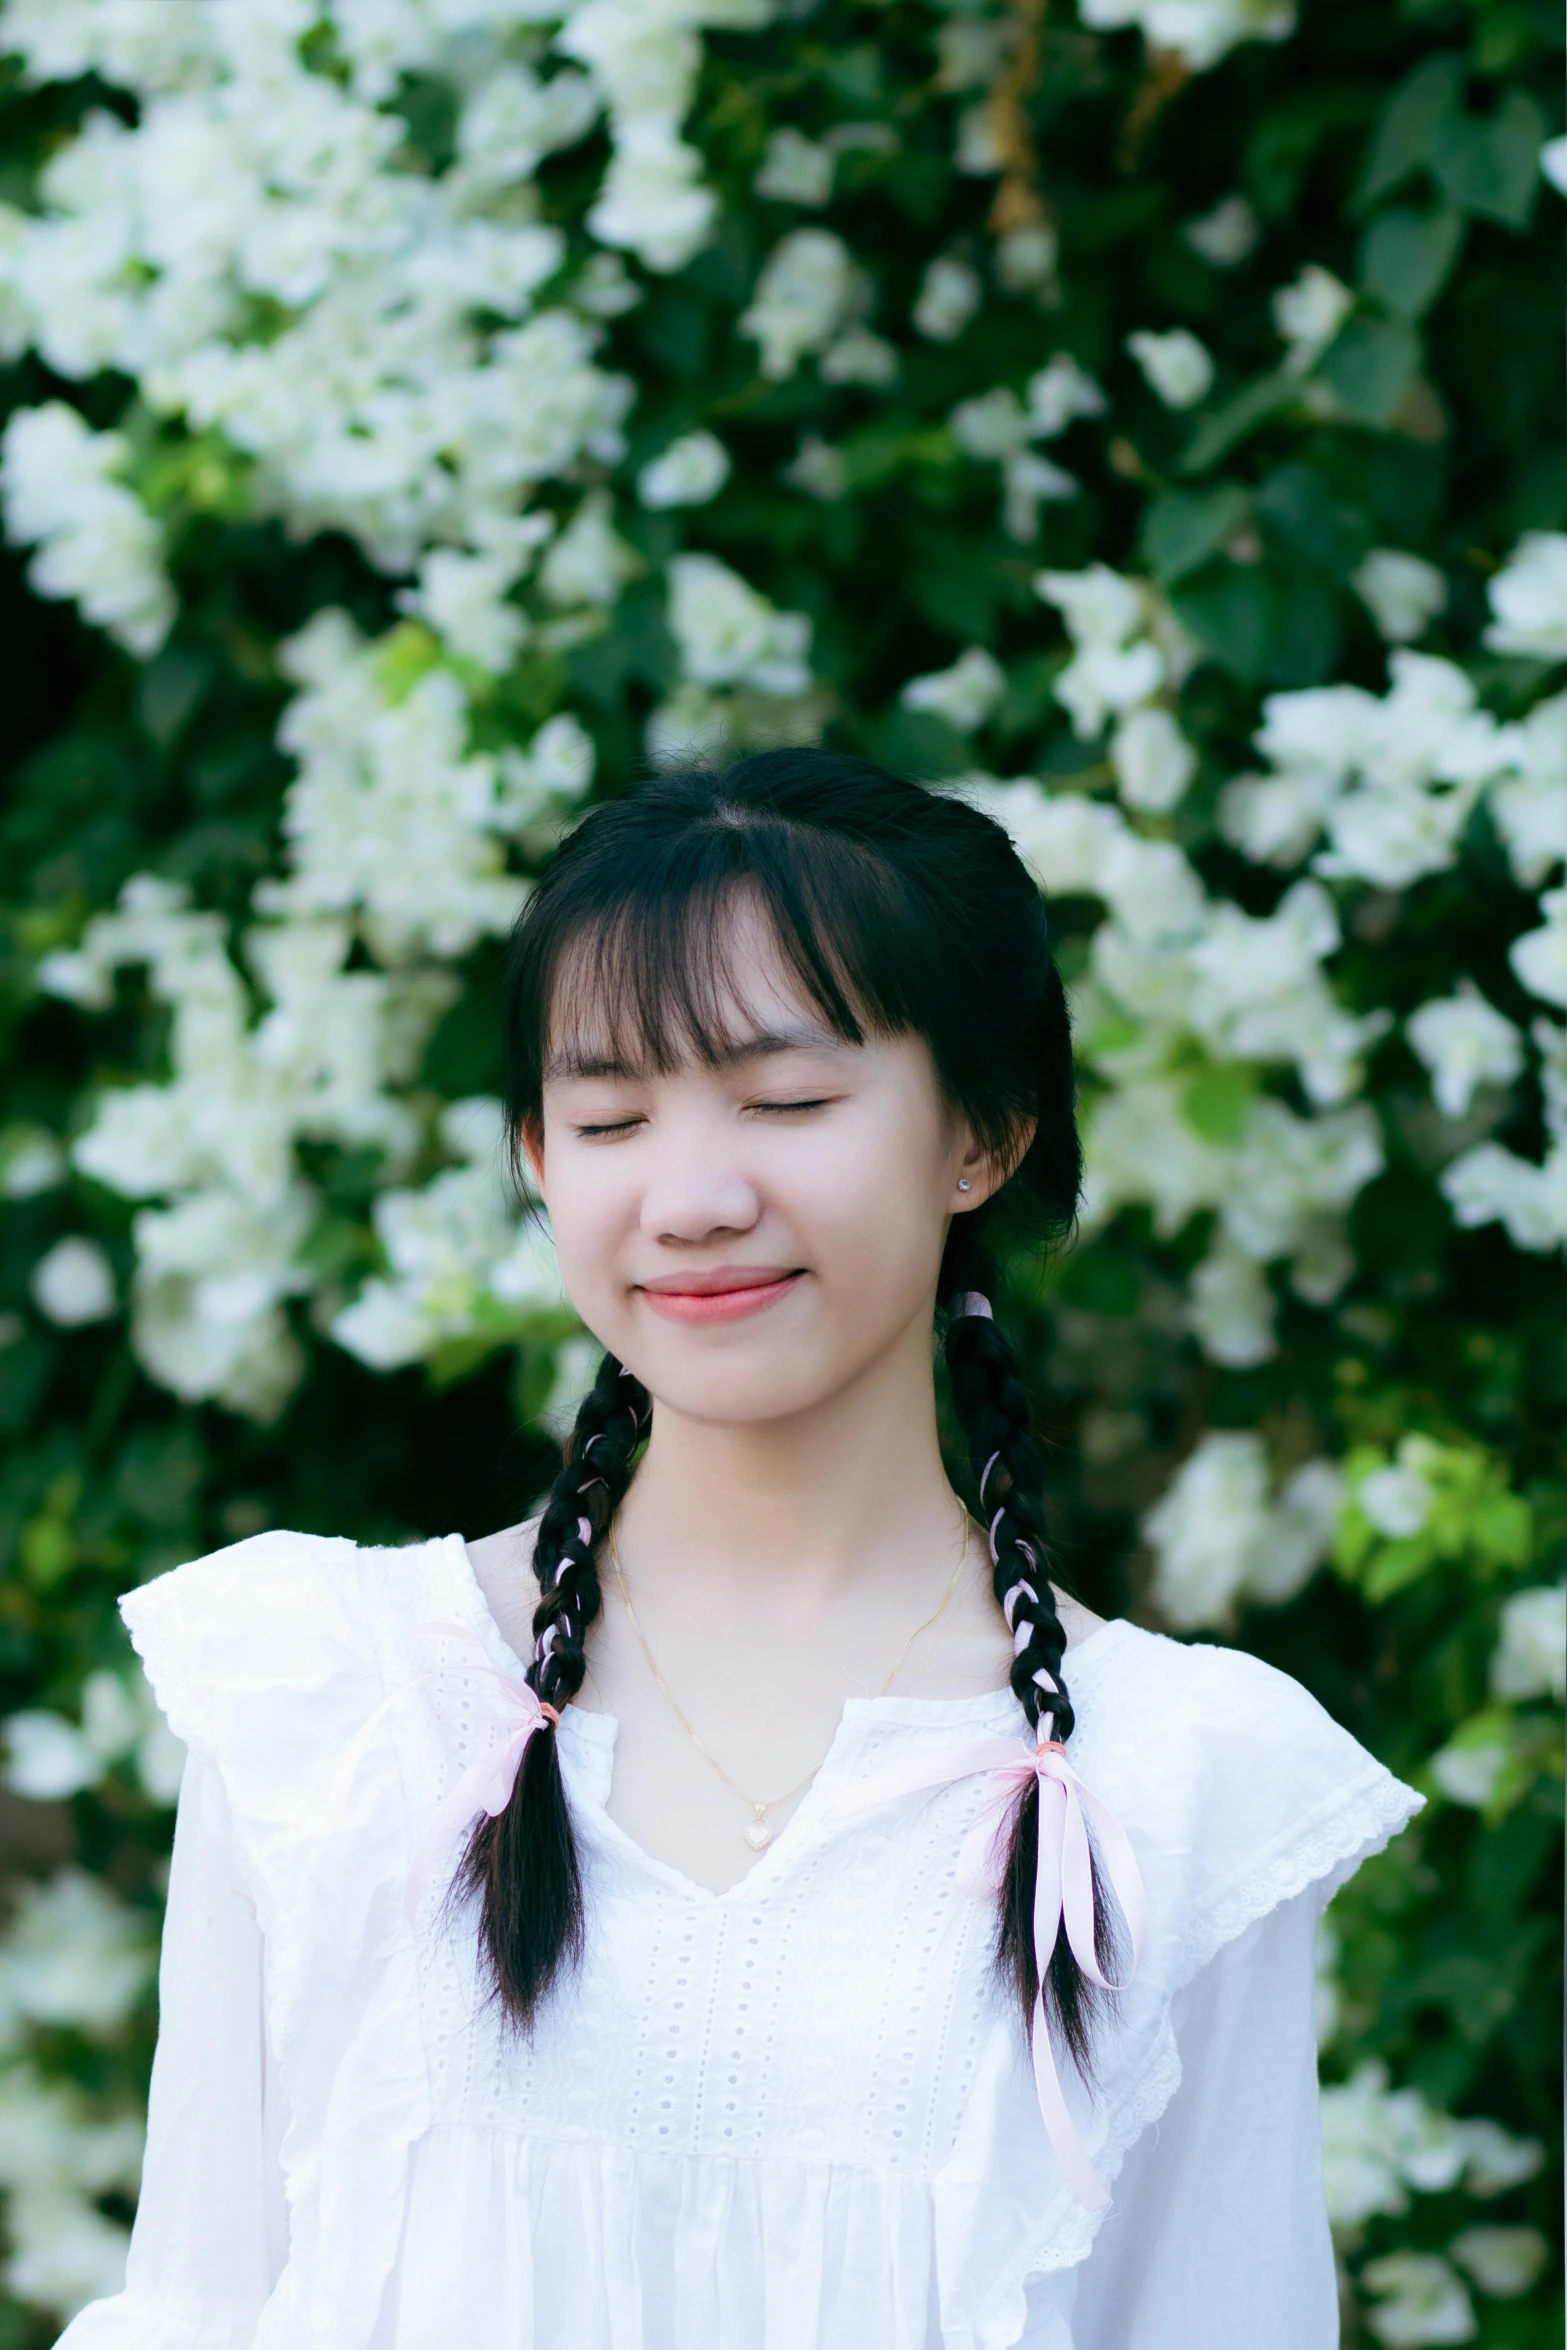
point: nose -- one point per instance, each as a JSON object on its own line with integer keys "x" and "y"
{"x": 696, "y": 1192}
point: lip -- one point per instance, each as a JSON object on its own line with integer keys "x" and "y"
{"x": 726, "y": 1294}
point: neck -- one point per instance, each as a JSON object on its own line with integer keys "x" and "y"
{"x": 819, "y": 1501}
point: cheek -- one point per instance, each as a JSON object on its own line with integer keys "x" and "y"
{"x": 589, "y": 1208}
{"x": 873, "y": 1196}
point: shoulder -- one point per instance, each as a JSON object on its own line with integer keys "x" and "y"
{"x": 1237, "y": 1786}
{"x": 281, "y": 1615}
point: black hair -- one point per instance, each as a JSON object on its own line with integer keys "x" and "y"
{"x": 899, "y": 911}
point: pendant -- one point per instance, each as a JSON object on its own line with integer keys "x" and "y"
{"x": 758, "y": 1834}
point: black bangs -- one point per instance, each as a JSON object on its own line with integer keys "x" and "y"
{"x": 890, "y": 910}
{"x": 659, "y": 978}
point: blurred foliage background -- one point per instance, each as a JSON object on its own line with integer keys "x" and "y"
{"x": 422, "y": 417}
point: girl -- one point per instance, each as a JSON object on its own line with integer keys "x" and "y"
{"x": 642, "y": 1930}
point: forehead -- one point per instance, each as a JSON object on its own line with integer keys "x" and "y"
{"x": 709, "y": 987}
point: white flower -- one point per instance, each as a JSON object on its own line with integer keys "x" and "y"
{"x": 1529, "y": 599}
{"x": 31, "y": 1161}
{"x": 1464, "y": 1042}
{"x": 992, "y": 425}
{"x": 1397, "y": 1500}
{"x": 1469, "y": 1769}
{"x": 1494, "y": 2160}
{"x": 1218, "y": 1535}
{"x": 1550, "y": 1042}
{"x": 1553, "y": 163}
{"x": 1530, "y": 1657}
{"x": 691, "y": 470}
{"x": 555, "y": 769}
{"x": 1403, "y": 593}
{"x": 1309, "y": 313}
{"x": 1377, "y": 2143}
{"x": 1178, "y": 368}
{"x": 1230, "y": 1307}
{"x": 1504, "y": 2262}
{"x": 1226, "y": 236}
{"x": 1060, "y": 392}
{"x": 56, "y": 2156}
{"x": 652, "y": 202}
{"x": 1528, "y": 803}
{"x": 806, "y": 291}
{"x": 458, "y": 1259}
{"x": 75, "y": 1956}
{"x": 213, "y": 1272}
{"x": 1273, "y": 819}
{"x": 819, "y": 469}
{"x": 1419, "y": 2300}
{"x": 795, "y": 169}
{"x": 1066, "y": 840}
{"x": 1539, "y": 957}
{"x": 47, "y": 1757}
{"x": 964, "y": 695}
{"x": 859, "y": 357}
{"x": 1026, "y": 260}
{"x": 1153, "y": 761}
{"x": 729, "y": 635}
{"x": 512, "y": 120}
{"x": 463, "y": 598}
{"x": 1028, "y": 481}
{"x": 73, "y": 1283}
{"x": 1199, "y": 31}
{"x": 589, "y": 563}
{"x": 977, "y": 153}
{"x": 95, "y": 541}
{"x": 972, "y": 50}
{"x": 950, "y": 293}
{"x": 1114, "y": 666}
{"x": 1491, "y": 1185}
{"x": 694, "y": 728}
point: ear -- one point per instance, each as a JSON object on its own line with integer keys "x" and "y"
{"x": 531, "y": 1136}
{"x": 981, "y": 1175}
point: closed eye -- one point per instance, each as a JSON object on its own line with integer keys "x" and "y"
{"x": 824, "y": 1103}
{"x": 621, "y": 1126}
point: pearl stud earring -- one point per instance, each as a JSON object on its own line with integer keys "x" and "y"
{"x": 964, "y": 1183}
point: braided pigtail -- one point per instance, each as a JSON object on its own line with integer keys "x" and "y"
{"x": 522, "y": 1863}
{"x": 992, "y": 1407}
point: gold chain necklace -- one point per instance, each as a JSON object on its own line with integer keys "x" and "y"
{"x": 758, "y": 1830}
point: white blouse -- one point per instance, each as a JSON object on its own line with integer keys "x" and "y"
{"x": 795, "y": 2115}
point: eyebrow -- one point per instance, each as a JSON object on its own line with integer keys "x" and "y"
{"x": 572, "y": 1062}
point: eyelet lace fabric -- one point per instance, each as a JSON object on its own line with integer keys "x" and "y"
{"x": 797, "y": 2115}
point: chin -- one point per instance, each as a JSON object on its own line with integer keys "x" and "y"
{"x": 736, "y": 1394}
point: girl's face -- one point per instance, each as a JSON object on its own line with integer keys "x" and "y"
{"x": 751, "y": 1238}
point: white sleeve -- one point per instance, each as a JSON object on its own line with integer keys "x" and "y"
{"x": 211, "y": 2229}
{"x": 1218, "y": 2232}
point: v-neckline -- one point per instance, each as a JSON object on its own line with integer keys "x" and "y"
{"x": 600, "y": 1731}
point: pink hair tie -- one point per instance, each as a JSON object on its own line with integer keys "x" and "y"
{"x": 970, "y": 1301}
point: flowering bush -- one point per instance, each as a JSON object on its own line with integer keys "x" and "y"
{"x": 423, "y": 414}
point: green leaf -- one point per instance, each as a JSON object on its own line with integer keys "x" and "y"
{"x": 1406, "y": 136}
{"x": 1216, "y": 1101}
{"x": 1371, "y": 367}
{"x": 1239, "y": 417}
{"x": 1490, "y": 164}
{"x": 1229, "y": 609}
{"x": 1311, "y": 519}
{"x": 1398, "y": 1564}
{"x": 1407, "y": 257}
{"x": 1184, "y": 527}
{"x": 1502, "y": 1527}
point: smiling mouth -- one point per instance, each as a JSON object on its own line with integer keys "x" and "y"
{"x": 738, "y": 1296}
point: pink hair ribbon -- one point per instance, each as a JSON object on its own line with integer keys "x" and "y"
{"x": 487, "y": 1784}
{"x": 1063, "y": 1889}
